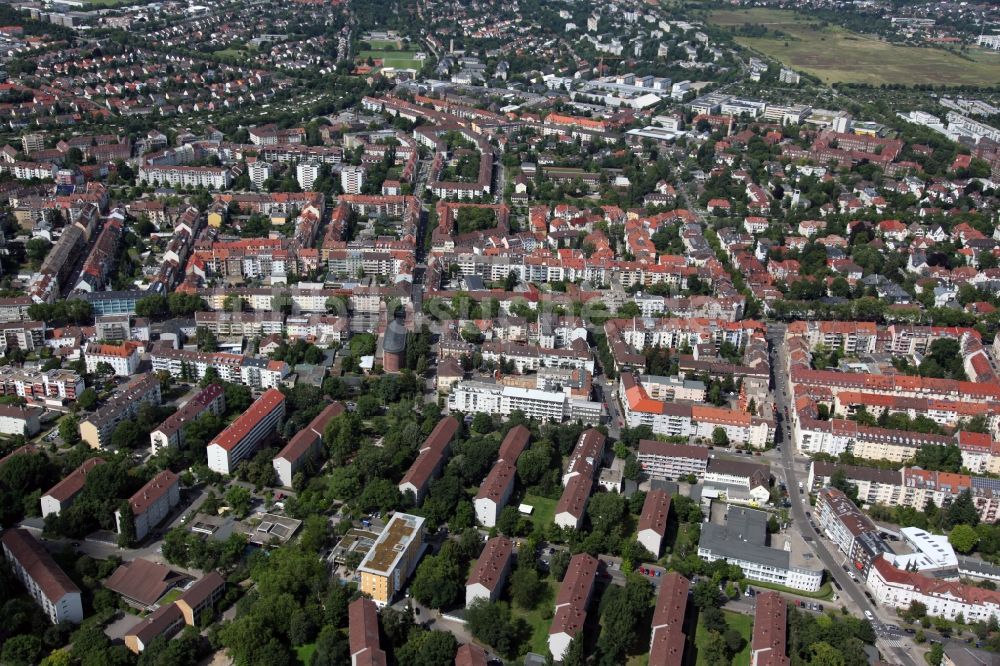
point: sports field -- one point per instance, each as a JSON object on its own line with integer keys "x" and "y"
{"x": 392, "y": 58}
{"x": 834, "y": 54}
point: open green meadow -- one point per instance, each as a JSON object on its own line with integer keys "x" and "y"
{"x": 400, "y": 59}
{"x": 834, "y": 54}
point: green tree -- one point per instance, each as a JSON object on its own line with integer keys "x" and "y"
{"x": 36, "y": 249}
{"x": 23, "y": 650}
{"x": 963, "y": 538}
{"x": 428, "y": 648}
{"x": 720, "y": 437}
{"x": 87, "y": 399}
{"x": 438, "y": 582}
{"x": 238, "y": 497}
{"x": 126, "y": 436}
{"x": 126, "y": 525}
{"x": 525, "y": 587}
{"x": 69, "y": 430}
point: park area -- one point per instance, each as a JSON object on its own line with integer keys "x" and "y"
{"x": 834, "y": 54}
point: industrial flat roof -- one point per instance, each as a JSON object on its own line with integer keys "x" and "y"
{"x": 382, "y": 557}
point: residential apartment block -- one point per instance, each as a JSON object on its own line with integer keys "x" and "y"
{"x": 496, "y": 488}
{"x": 241, "y": 438}
{"x": 61, "y": 495}
{"x": 152, "y": 503}
{"x": 430, "y": 459}
{"x": 45, "y": 581}
{"x": 672, "y": 461}
{"x": 489, "y": 575}
{"x": 392, "y": 558}
{"x": 304, "y": 445}
{"x": 170, "y": 433}
{"x": 667, "y": 638}
{"x": 571, "y": 603}
{"x": 96, "y": 429}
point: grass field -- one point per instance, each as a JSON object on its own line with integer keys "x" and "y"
{"x": 741, "y": 623}
{"x": 385, "y": 43}
{"x": 233, "y": 52}
{"x": 834, "y": 54}
{"x": 392, "y": 58}
{"x": 305, "y": 652}
{"x": 824, "y": 592}
{"x": 545, "y": 509}
{"x": 171, "y": 596}
{"x": 539, "y": 619}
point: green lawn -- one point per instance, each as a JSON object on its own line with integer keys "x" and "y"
{"x": 835, "y": 54}
{"x": 392, "y": 58}
{"x": 741, "y": 623}
{"x": 384, "y": 43}
{"x": 171, "y": 596}
{"x": 824, "y": 592}
{"x": 232, "y": 52}
{"x": 539, "y": 619}
{"x": 305, "y": 653}
{"x": 545, "y": 509}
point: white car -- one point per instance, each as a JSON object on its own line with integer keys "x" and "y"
{"x": 868, "y": 614}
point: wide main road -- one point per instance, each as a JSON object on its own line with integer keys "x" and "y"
{"x": 783, "y": 402}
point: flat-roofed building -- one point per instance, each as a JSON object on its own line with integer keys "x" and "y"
{"x": 363, "y": 636}
{"x": 239, "y": 441}
{"x": 767, "y": 646}
{"x": 653, "y": 521}
{"x": 47, "y": 584}
{"x": 571, "y": 603}
{"x": 61, "y": 495}
{"x": 490, "y": 573}
{"x": 392, "y": 558}
{"x": 671, "y": 461}
{"x": 304, "y": 445}
{"x": 170, "y": 433}
{"x": 667, "y": 640}
{"x": 152, "y": 503}
{"x": 430, "y": 459}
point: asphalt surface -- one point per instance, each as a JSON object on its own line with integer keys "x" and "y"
{"x": 889, "y": 642}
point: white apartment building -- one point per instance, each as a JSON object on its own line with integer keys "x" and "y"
{"x": 307, "y": 173}
{"x": 124, "y": 358}
{"x": 259, "y": 172}
{"x": 240, "y": 439}
{"x": 47, "y": 584}
{"x": 672, "y": 461}
{"x": 152, "y": 503}
{"x": 218, "y": 178}
{"x": 352, "y": 179}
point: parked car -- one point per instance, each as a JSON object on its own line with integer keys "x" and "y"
{"x": 868, "y": 614}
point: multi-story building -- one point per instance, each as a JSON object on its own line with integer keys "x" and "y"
{"x": 119, "y": 327}
{"x": 352, "y": 179}
{"x": 18, "y": 420}
{"x": 257, "y": 373}
{"x": 41, "y": 386}
{"x": 667, "y": 638}
{"x": 489, "y": 576}
{"x": 241, "y": 438}
{"x": 96, "y": 429}
{"x": 495, "y": 490}
{"x": 218, "y": 178}
{"x": 23, "y": 335}
{"x": 742, "y": 541}
{"x": 430, "y": 459}
{"x": 672, "y": 461}
{"x": 392, "y": 558}
{"x": 474, "y": 397}
{"x": 170, "y": 433}
{"x": 241, "y": 324}
{"x": 259, "y": 172}
{"x": 770, "y": 625}
{"x": 307, "y": 173}
{"x": 166, "y": 620}
{"x": 896, "y": 588}
{"x": 304, "y": 445}
{"x": 653, "y": 521}
{"x": 572, "y": 504}
{"x": 152, "y": 503}
{"x": 363, "y": 634}
{"x": 123, "y": 358}
{"x": 61, "y": 495}
{"x": 852, "y": 531}
{"x": 571, "y": 603}
{"x": 47, "y": 584}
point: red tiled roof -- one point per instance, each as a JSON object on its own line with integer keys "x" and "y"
{"x": 304, "y": 439}
{"x": 655, "y": 510}
{"x": 470, "y": 655}
{"x": 492, "y": 563}
{"x": 769, "y": 628}
{"x": 513, "y": 444}
{"x": 574, "y": 595}
{"x": 74, "y": 482}
{"x": 666, "y": 645}
{"x": 151, "y": 493}
{"x": 38, "y": 563}
{"x": 363, "y": 632}
{"x": 249, "y": 419}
